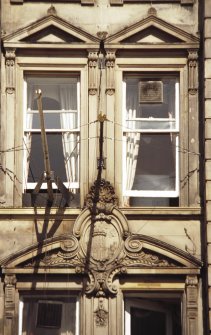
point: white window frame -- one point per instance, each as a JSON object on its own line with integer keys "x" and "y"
{"x": 30, "y": 185}
{"x": 151, "y": 193}
{"x": 20, "y": 315}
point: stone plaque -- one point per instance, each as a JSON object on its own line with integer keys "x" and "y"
{"x": 150, "y": 92}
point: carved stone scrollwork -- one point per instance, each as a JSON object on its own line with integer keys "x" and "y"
{"x": 192, "y": 304}
{"x": 10, "y": 281}
{"x": 193, "y": 71}
{"x": 110, "y": 64}
{"x": 10, "y": 70}
{"x": 93, "y": 71}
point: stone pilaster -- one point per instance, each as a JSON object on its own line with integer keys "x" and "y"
{"x": 192, "y": 305}
{"x": 193, "y": 162}
{"x": 9, "y": 304}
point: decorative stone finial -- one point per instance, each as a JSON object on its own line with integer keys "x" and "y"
{"x": 51, "y": 10}
{"x": 152, "y": 11}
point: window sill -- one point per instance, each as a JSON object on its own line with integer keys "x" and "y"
{"x": 161, "y": 211}
{"x": 30, "y": 212}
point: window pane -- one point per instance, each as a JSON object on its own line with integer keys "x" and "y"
{"x": 55, "y": 155}
{"x": 153, "y": 315}
{"x": 56, "y": 91}
{"x": 34, "y": 322}
{"x": 60, "y": 103}
{"x": 147, "y": 322}
{"x": 155, "y": 168}
{"x": 164, "y": 109}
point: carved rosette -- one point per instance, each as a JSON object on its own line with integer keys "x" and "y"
{"x": 93, "y": 71}
{"x": 193, "y": 71}
{"x": 192, "y": 304}
{"x": 10, "y": 282}
{"x": 10, "y": 70}
{"x": 110, "y": 64}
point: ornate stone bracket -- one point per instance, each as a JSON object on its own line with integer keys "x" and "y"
{"x": 93, "y": 71}
{"x": 192, "y": 304}
{"x": 110, "y": 64}
{"x": 193, "y": 71}
{"x": 10, "y": 70}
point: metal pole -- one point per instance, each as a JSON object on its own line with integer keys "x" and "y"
{"x": 45, "y": 146}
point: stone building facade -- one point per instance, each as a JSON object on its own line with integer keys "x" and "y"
{"x": 103, "y": 225}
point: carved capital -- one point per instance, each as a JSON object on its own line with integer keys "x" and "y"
{"x": 191, "y": 281}
{"x": 10, "y": 70}
{"x": 93, "y": 71}
{"x": 193, "y": 71}
{"x": 110, "y": 64}
{"x": 10, "y": 280}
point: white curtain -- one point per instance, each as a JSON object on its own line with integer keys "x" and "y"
{"x": 132, "y": 148}
{"x": 28, "y": 135}
{"x": 69, "y": 120}
{"x": 132, "y": 138}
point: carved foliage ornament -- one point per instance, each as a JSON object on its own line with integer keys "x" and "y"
{"x": 101, "y": 314}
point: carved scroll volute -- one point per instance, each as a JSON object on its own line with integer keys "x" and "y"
{"x": 192, "y": 305}
{"x": 110, "y": 64}
{"x": 193, "y": 71}
{"x": 10, "y": 282}
{"x": 10, "y": 70}
{"x": 93, "y": 71}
